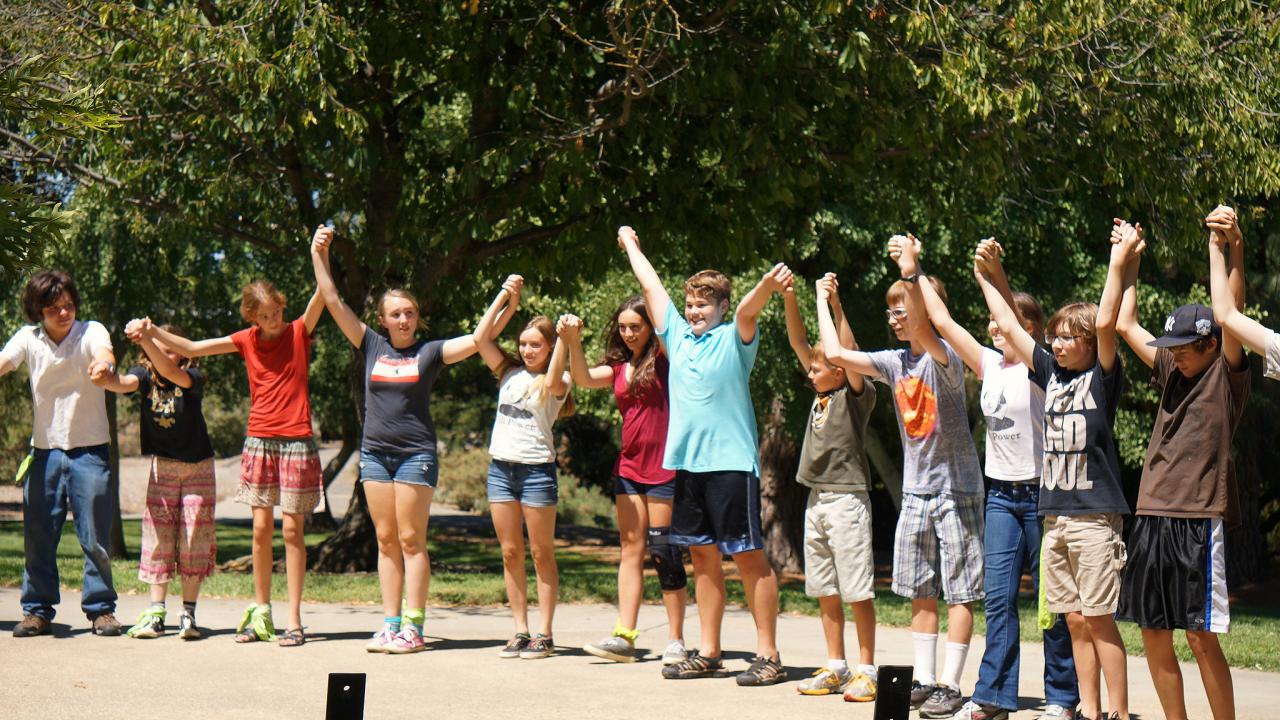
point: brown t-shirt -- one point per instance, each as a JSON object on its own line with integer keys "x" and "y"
{"x": 1188, "y": 471}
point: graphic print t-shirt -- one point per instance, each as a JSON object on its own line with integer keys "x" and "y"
{"x": 172, "y": 420}
{"x": 1014, "y": 409}
{"x": 522, "y": 428}
{"x": 1081, "y": 473}
{"x": 397, "y": 394}
{"x": 933, "y": 423}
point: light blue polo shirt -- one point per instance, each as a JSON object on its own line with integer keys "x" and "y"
{"x": 713, "y": 424}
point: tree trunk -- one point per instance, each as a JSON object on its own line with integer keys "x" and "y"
{"x": 781, "y": 497}
{"x": 1245, "y": 544}
{"x": 884, "y": 466}
{"x": 325, "y": 521}
{"x": 118, "y": 549}
{"x": 354, "y": 547}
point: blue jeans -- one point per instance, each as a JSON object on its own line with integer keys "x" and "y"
{"x": 1013, "y": 539}
{"x": 59, "y": 480}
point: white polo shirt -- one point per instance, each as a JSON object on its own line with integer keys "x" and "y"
{"x": 70, "y": 411}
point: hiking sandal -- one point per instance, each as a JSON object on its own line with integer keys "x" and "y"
{"x": 293, "y": 637}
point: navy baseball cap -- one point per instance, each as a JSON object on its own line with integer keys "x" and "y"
{"x": 1187, "y": 324}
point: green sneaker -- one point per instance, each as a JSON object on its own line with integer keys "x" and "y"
{"x": 150, "y": 624}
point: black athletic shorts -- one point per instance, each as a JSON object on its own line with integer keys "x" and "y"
{"x": 1176, "y": 577}
{"x": 717, "y": 508}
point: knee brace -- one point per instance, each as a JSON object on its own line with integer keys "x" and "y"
{"x": 667, "y": 559}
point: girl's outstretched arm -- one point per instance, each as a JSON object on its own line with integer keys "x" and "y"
{"x": 558, "y": 380}
{"x": 350, "y": 324}
{"x": 569, "y": 328}
{"x": 193, "y": 348}
{"x": 511, "y": 303}
{"x": 464, "y": 346}
{"x": 167, "y": 368}
{"x": 986, "y": 262}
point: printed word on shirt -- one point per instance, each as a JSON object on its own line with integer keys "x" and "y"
{"x": 1065, "y": 461}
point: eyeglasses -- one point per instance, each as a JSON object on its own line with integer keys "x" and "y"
{"x": 1064, "y": 339}
{"x": 895, "y": 313}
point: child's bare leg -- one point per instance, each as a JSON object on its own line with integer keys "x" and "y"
{"x": 1165, "y": 673}
{"x": 831, "y": 610}
{"x": 264, "y": 527}
{"x": 864, "y": 622}
{"x": 295, "y": 564}
{"x": 709, "y": 586}
{"x": 1087, "y": 665}
{"x": 1115, "y": 665}
{"x": 760, "y": 584}
{"x": 1215, "y": 673}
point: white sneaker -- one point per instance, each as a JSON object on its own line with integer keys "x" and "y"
{"x": 675, "y": 653}
{"x": 1057, "y": 712}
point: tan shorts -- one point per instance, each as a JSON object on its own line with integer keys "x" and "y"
{"x": 837, "y": 546}
{"x": 1082, "y": 557}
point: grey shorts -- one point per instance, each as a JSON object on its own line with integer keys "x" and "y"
{"x": 937, "y": 549}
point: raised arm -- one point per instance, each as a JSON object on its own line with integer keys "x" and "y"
{"x": 1227, "y": 287}
{"x": 1104, "y": 325}
{"x": 464, "y": 346}
{"x": 851, "y": 360}
{"x": 569, "y": 328}
{"x": 1129, "y": 238}
{"x": 986, "y": 264}
{"x": 511, "y": 303}
{"x": 558, "y": 380}
{"x": 655, "y": 295}
{"x": 969, "y": 350}
{"x": 844, "y": 332}
{"x": 193, "y": 348}
{"x": 905, "y": 250}
{"x": 315, "y": 308}
{"x": 166, "y": 367}
{"x": 797, "y": 337}
{"x": 350, "y": 323}
{"x": 753, "y": 302}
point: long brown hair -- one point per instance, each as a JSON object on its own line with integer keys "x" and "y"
{"x": 512, "y": 361}
{"x": 644, "y": 365}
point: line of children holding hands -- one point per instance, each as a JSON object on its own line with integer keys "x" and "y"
{"x": 687, "y": 474}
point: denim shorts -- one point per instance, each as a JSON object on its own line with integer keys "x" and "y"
{"x": 657, "y": 491}
{"x": 532, "y": 485}
{"x": 420, "y": 468}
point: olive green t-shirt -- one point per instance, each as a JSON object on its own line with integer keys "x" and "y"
{"x": 833, "y": 457}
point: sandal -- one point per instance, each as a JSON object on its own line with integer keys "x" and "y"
{"x": 293, "y": 637}
{"x": 256, "y": 625}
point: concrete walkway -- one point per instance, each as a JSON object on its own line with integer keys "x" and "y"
{"x": 74, "y": 674}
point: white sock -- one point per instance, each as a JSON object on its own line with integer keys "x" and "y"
{"x": 926, "y": 657}
{"x": 840, "y": 666}
{"x": 956, "y": 653}
{"x": 869, "y": 671}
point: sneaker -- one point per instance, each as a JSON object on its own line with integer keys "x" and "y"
{"x": 763, "y": 671}
{"x": 539, "y": 646}
{"x": 106, "y": 625}
{"x": 31, "y": 626}
{"x": 381, "y": 640}
{"x": 920, "y": 693}
{"x": 615, "y": 648}
{"x": 693, "y": 666}
{"x": 974, "y": 711}
{"x": 1057, "y": 712}
{"x": 150, "y": 624}
{"x": 515, "y": 646}
{"x": 943, "y": 703}
{"x": 674, "y": 653}
{"x": 187, "y": 629}
{"x": 824, "y": 682}
{"x": 408, "y": 640}
{"x": 862, "y": 688}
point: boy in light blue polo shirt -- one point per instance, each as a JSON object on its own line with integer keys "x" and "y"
{"x": 711, "y": 444}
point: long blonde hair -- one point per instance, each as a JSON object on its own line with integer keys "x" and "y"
{"x": 510, "y": 362}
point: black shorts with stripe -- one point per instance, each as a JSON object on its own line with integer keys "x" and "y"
{"x": 1176, "y": 575}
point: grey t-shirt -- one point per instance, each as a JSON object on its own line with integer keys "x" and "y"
{"x": 397, "y": 394}
{"x": 937, "y": 447}
{"x": 833, "y": 457}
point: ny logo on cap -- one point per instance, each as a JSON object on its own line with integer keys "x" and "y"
{"x": 1168, "y": 324}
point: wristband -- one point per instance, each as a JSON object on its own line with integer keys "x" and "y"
{"x": 913, "y": 277}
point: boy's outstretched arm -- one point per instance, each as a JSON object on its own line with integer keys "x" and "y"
{"x": 655, "y": 295}
{"x": 844, "y": 331}
{"x": 1227, "y": 288}
{"x": 1104, "y": 325}
{"x": 986, "y": 261}
{"x": 969, "y": 349}
{"x": 754, "y": 301}
{"x": 1129, "y": 239}
{"x": 797, "y": 337}
{"x": 905, "y": 250}
{"x": 854, "y": 361}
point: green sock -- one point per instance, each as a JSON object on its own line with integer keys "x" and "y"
{"x": 415, "y": 617}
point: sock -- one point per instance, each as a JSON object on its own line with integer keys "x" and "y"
{"x": 624, "y": 632}
{"x": 416, "y": 617}
{"x": 393, "y": 623}
{"x": 840, "y": 666}
{"x": 189, "y": 607}
{"x": 926, "y": 645}
{"x": 158, "y": 605}
{"x": 869, "y": 671}
{"x": 956, "y": 653}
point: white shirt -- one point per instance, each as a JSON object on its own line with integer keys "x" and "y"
{"x": 70, "y": 411}
{"x": 522, "y": 429}
{"x": 1272, "y": 369}
{"x": 1014, "y": 409}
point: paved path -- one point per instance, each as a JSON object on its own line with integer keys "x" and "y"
{"x": 74, "y": 674}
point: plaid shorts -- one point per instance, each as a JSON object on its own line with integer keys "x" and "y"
{"x": 280, "y": 471}
{"x": 938, "y": 547}
{"x": 177, "y": 525}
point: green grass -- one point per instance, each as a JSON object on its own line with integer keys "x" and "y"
{"x": 467, "y": 572}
